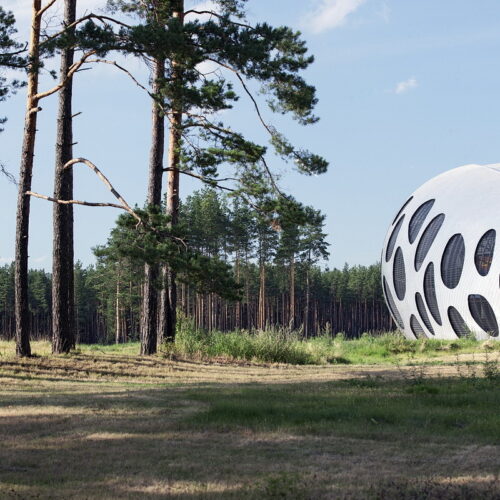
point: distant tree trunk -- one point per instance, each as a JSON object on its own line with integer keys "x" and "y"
{"x": 149, "y": 314}
{"x": 23, "y": 347}
{"x": 118, "y": 319}
{"x": 292, "y": 293}
{"x": 308, "y": 303}
{"x": 238, "y": 304}
{"x": 169, "y": 297}
{"x": 261, "y": 315}
{"x": 63, "y": 302}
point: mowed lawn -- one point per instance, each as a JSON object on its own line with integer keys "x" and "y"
{"x": 109, "y": 424}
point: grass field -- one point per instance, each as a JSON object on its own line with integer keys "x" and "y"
{"x": 105, "y": 423}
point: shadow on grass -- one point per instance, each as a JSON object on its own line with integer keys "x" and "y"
{"x": 368, "y": 438}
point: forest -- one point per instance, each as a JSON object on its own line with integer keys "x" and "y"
{"x": 238, "y": 254}
{"x": 108, "y": 294}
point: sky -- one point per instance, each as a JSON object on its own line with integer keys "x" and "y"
{"x": 407, "y": 90}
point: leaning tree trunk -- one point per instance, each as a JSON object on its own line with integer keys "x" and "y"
{"x": 23, "y": 201}
{"x": 63, "y": 302}
{"x": 169, "y": 295}
{"x": 150, "y": 291}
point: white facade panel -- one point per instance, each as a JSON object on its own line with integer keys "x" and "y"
{"x": 460, "y": 208}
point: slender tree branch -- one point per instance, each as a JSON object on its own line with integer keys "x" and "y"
{"x": 259, "y": 114}
{"x": 11, "y": 178}
{"x": 17, "y": 52}
{"x": 81, "y": 20}
{"x": 106, "y": 182}
{"x": 206, "y": 180}
{"x": 126, "y": 71}
{"x": 74, "y": 202}
{"x": 74, "y": 67}
{"x": 42, "y": 11}
{"x": 212, "y": 13}
{"x": 247, "y": 91}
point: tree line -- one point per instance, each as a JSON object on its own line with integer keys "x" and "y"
{"x": 172, "y": 262}
{"x": 276, "y": 269}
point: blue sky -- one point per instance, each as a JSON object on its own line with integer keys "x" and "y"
{"x": 406, "y": 91}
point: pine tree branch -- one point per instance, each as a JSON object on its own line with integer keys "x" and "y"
{"x": 6, "y": 55}
{"x": 11, "y": 178}
{"x": 206, "y": 180}
{"x": 88, "y": 17}
{"x": 74, "y": 202}
{"x": 215, "y": 14}
{"x": 126, "y": 71}
{"x": 269, "y": 129}
{"x": 44, "y": 9}
{"x": 247, "y": 91}
{"x": 105, "y": 180}
{"x": 73, "y": 69}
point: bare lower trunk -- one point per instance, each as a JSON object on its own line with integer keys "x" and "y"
{"x": 292, "y": 322}
{"x": 169, "y": 297}
{"x": 261, "y": 315}
{"x": 118, "y": 319}
{"x": 238, "y": 304}
{"x": 63, "y": 303}
{"x": 149, "y": 313}
{"x": 307, "y": 312}
{"x": 23, "y": 201}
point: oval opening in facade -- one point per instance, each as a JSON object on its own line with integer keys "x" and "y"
{"x": 418, "y": 219}
{"x": 483, "y": 314}
{"x": 399, "y": 274}
{"x": 392, "y": 306}
{"x": 392, "y": 239}
{"x": 416, "y": 328}
{"x": 427, "y": 239}
{"x": 401, "y": 209}
{"x": 457, "y": 323}
{"x": 484, "y": 252}
{"x": 430, "y": 293}
{"x": 423, "y": 312}
{"x": 452, "y": 262}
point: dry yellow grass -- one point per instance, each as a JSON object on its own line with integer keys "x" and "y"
{"x": 104, "y": 425}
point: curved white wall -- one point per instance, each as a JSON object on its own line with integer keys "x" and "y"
{"x": 467, "y": 203}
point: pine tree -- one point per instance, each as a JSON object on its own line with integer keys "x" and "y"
{"x": 313, "y": 247}
{"x": 198, "y": 142}
{"x": 11, "y": 56}
{"x": 63, "y": 300}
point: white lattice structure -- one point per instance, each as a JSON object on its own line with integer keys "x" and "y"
{"x": 440, "y": 264}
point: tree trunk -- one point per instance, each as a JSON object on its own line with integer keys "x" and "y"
{"x": 23, "y": 347}
{"x": 118, "y": 321}
{"x": 63, "y": 303}
{"x": 292, "y": 293}
{"x": 169, "y": 296}
{"x": 238, "y": 304}
{"x": 149, "y": 326}
{"x": 261, "y": 314}
{"x": 308, "y": 303}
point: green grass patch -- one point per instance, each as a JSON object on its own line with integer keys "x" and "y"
{"x": 281, "y": 345}
{"x": 460, "y": 410}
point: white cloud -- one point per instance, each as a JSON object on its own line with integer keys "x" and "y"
{"x": 331, "y": 14}
{"x": 406, "y": 85}
{"x": 6, "y": 260}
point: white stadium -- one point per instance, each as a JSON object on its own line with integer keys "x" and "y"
{"x": 440, "y": 264}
